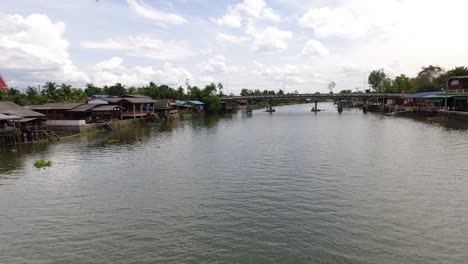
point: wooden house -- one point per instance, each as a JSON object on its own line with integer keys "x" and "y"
{"x": 104, "y": 113}
{"x": 133, "y": 107}
{"x": 59, "y": 111}
{"x": 458, "y": 84}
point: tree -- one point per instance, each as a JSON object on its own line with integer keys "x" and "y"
{"x": 280, "y": 92}
{"x": 32, "y": 93}
{"x": 458, "y": 71}
{"x": 180, "y": 93}
{"x": 376, "y": 80}
{"x": 347, "y": 91}
{"x": 220, "y": 89}
{"x": 132, "y": 90}
{"x": 331, "y": 86}
{"x": 64, "y": 92}
{"x": 77, "y": 95}
{"x": 50, "y": 91}
{"x": 430, "y": 78}
{"x": 92, "y": 90}
{"x": 402, "y": 84}
{"x": 116, "y": 90}
{"x": 244, "y": 92}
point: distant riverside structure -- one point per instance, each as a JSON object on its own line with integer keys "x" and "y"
{"x": 458, "y": 84}
{"x": 3, "y": 84}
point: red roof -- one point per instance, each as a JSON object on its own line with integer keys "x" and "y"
{"x": 3, "y": 84}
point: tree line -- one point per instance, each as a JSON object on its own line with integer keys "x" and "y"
{"x": 430, "y": 78}
{"x": 51, "y": 92}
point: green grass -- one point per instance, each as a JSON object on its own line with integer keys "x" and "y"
{"x": 42, "y": 164}
{"x": 91, "y": 133}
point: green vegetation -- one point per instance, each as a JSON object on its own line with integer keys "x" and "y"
{"x": 42, "y": 164}
{"x": 90, "y": 133}
{"x": 43, "y": 141}
{"x": 208, "y": 96}
{"x": 52, "y": 93}
{"x": 430, "y": 78}
{"x": 348, "y": 91}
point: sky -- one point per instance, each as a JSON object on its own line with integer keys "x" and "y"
{"x": 295, "y": 45}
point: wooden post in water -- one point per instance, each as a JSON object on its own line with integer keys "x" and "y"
{"x": 340, "y": 106}
{"x": 249, "y": 107}
{"x": 365, "y": 106}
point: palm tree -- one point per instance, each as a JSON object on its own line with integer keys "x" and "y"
{"x": 32, "y": 93}
{"x": 65, "y": 92}
{"x": 50, "y": 91}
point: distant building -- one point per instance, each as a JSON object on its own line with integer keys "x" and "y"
{"x": 458, "y": 84}
{"x": 3, "y": 84}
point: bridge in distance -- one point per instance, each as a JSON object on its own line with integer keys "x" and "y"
{"x": 314, "y": 96}
{"x": 230, "y": 100}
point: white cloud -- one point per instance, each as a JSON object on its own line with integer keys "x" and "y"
{"x": 258, "y": 9}
{"x": 248, "y": 9}
{"x": 231, "y": 39}
{"x": 152, "y": 14}
{"x": 291, "y": 74}
{"x": 338, "y": 22}
{"x": 314, "y": 48}
{"x": 112, "y": 71}
{"x": 215, "y": 65}
{"x": 144, "y": 46}
{"x": 231, "y": 19}
{"x": 207, "y": 79}
{"x": 270, "y": 39}
{"x": 34, "y": 49}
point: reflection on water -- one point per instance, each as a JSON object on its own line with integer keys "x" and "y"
{"x": 288, "y": 187}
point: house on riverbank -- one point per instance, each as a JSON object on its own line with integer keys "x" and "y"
{"x": 458, "y": 84}
{"x": 133, "y": 107}
{"x": 19, "y": 124}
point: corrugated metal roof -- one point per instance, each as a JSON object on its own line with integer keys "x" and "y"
{"x": 196, "y": 102}
{"x": 14, "y": 109}
{"x": 9, "y": 117}
{"x": 83, "y": 108}
{"x": 113, "y": 99}
{"x": 136, "y": 96}
{"x": 24, "y": 120}
{"x": 142, "y": 100}
{"x": 422, "y": 95}
{"x": 106, "y": 108}
{"x": 55, "y": 106}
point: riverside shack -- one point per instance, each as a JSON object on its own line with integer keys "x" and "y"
{"x": 19, "y": 124}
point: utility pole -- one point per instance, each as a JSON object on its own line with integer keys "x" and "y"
{"x": 284, "y": 83}
{"x": 227, "y": 89}
{"x": 446, "y": 90}
{"x": 187, "y": 85}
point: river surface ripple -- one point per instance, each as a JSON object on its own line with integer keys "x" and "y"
{"x": 291, "y": 187}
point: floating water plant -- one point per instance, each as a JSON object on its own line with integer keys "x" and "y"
{"x": 42, "y": 164}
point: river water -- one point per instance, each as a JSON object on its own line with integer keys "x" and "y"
{"x": 290, "y": 187}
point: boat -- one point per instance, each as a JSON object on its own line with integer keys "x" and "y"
{"x": 270, "y": 110}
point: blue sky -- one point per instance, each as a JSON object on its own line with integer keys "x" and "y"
{"x": 254, "y": 44}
